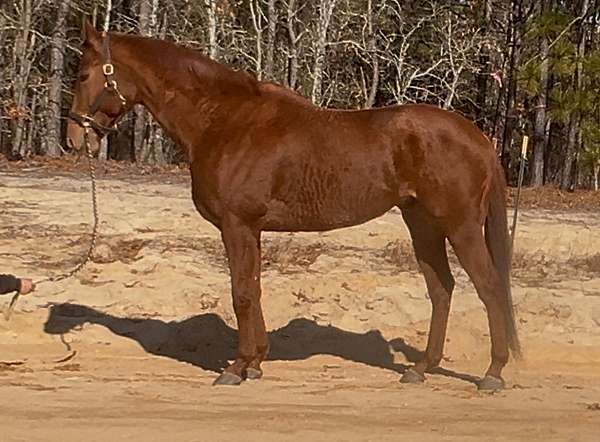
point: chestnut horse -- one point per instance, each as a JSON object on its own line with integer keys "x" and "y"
{"x": 263, "y": 158}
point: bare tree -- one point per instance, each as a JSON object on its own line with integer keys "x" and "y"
{"x": 257, "y": 20}
{"x": 140, "y": 113}
{"x": 359, "y": 52}
{"x": 460, "y": 50}
{"x": 514, "y": 35}
{"x": 3, "y": 34}
{"x": 107, "y": 12}
{"x": 372, "y": 49}
{"x": 575, "y": 120}
{"x": 273, "y": 19}
{"x": 22, "y": 60}
{"x": 157, "y": 135}
{"x": 294, "y": 39}
{"x": 539, "y": 138}
{"x": 407, "y": 74}
{"x": 326, "y": 8}
{"x": 148, "y": 136}
{"x": 54, "y": 107}
{"x": 211, "y": 12}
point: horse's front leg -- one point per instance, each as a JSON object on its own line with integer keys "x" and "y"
{"x": 242, "y": 244}
{"x": 254, "y": 370}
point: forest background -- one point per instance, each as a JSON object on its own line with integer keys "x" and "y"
{"x": 515, "y": 67}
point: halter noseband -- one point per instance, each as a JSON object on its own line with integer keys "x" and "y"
{"x": 110, "y": 86}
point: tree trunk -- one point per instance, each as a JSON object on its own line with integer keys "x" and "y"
{"x": 271, "y": 37}
{"x": 159, "y": 137}
{"x": 325, "y": 11}
{"x": 256, "y": 14}
{"x": 293, "y": 42}
{"x": 510, "y": 115}
{"x": 596, "y": 173}
{"x": 539, "y": 137}
{"x": 57, "y": 57}
{"x": 575, "y": 121}
{"x": 21, "y": 69}
{"x": 211, "y": 12}
{"x": 567, "y": 170}
{"x": 147, "y": 135}
{"x": 2, "y": 37}
{"x": 140, "y": 140}
{"x": 107, "y": 13}
{"x": 372, "y": 48}
{"x": 27, "y": 148}
{"x": 484, "y": 69}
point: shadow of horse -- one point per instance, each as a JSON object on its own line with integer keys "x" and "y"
{"x": 206, "y": 341}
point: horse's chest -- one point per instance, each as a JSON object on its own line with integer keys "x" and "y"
{"x": 206, "y": 201}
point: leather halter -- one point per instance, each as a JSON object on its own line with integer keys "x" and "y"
{"x": 110, "y": 86}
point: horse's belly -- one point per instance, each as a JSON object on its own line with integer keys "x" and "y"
{"x": 319, "y": 215}
{"x": 336, "y": 188}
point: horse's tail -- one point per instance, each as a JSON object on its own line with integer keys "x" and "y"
{"x": 498, "y": 244}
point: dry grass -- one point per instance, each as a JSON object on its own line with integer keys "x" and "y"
{"x": 114, "y": 249}
{"x": 550, "y": 197}
{"x": 588, "y": 264}
{"x": 527, "y": 267}
{"x": 285, "y": 255}
{"x": 400, "y": 254}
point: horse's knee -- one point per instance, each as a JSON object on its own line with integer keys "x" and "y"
{"x": 490, "y": 292}
{"x": 242, "y": 303}
{"x": 441, "y": 296}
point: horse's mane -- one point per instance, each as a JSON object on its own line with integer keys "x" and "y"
{"x": 185, "y": 65}
{"x": 284, "y": 93}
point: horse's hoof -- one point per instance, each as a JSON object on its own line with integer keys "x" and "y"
{"x": 253, "y": 373}
{"x": 227, "y": 378}
{"x": 490, "y": 383}
{"x": 412, "y": 376}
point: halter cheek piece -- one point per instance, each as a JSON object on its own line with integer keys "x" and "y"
{"x": 110, "y": 87}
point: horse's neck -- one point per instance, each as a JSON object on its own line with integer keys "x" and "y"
{"x": 175, "y": 111}
{"x": 172, "y": 105}
{"x": 186, "y": 102}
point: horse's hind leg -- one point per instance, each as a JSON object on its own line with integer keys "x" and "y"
{"x": 470, "y": 247}
{"x": 429, "y": 242}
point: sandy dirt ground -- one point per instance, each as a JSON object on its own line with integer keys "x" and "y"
{"x": 129, "y": 348}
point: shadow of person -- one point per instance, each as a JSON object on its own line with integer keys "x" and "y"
{"x": 206, "y": 341}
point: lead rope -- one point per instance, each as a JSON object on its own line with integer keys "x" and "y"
{"x": 92, "y": 246}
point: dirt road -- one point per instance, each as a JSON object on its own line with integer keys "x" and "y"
{"x": 129, "y": 348}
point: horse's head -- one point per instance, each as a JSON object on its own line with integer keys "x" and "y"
{"x": 103, "y": 92}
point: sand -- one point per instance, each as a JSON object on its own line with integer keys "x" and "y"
{"x": 128, "y": 349}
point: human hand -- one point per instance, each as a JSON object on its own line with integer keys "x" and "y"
{"x": 27, "y": 286}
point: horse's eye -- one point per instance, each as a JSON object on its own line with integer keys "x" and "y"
{"x": 84, "y": 76}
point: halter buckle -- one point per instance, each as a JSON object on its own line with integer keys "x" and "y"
{"x": 108, "y": 69}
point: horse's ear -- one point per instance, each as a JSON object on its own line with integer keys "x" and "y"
{"x": 91, "y": 37}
